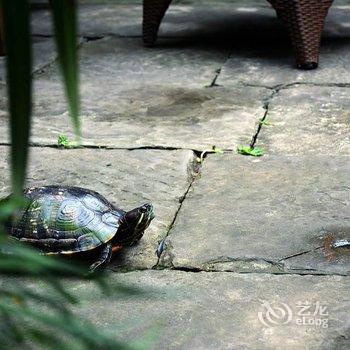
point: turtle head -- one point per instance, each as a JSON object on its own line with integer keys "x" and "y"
{"x": 135, "y": 223}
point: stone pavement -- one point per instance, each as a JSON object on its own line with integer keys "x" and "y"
{"x": 246, "y": 241}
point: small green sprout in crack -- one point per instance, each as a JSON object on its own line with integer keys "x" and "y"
{"x": 264, "y": 122}
{"x": 214, "y": 150}
{"x": 63, "y": 142}
{"x": 250, "y": 151}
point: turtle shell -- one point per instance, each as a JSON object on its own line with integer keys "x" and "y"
{"x": 65, "y": 220}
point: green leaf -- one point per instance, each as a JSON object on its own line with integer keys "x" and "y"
{"x": 63, "y": 141}
{"x": 248, "y": 151}
{"x": 22, "y": 320}
{"x": 20, "y": 259}
{"x": 65, "y": 23}
{"x": 264, "y": 122}
{"x": 217, "y": 150}
{"x": 83, "y": 332}
{"x": 18, "y": 292}
{"x": 48, "y": 340}
{"x": 19, "y": 61}
{"x": 9, "y": 205}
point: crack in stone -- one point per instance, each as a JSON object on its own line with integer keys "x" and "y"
{"x": 163, "y": 148}
{"x": 300, "y": 253}
{"x": 248, "y": 265}
{"x": 275, "y": 90}
{"x": 244, "y": 264}
{"x": 164, "y": 246}
{"x": 43, "y": 68}
{"x": 156, "y": 147}
{"x": 217, "y": 73}
{"x": 88, "y": 38}
{"x": 299, "y": 272}
{"x": 226, "y": 259}
{"x": 280, "y": 87}
{"x": 213, "y": 83}
{"x": 259, "y": 265}
{"x": 195, "y": 269}
{"x": 266, "y": 106}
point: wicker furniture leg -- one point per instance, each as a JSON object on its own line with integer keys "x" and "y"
{"x": 304, "y": 20}
{"x": 153, "y": 13}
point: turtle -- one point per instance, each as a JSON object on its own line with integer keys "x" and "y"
{"x": 68, "y": 220}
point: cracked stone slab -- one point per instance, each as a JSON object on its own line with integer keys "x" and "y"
{"x": 120, "y": 62}
{"x": 185, "y": 310}
{"x": 271, "y": 62}
{"x": 247, "y": 214}
{"x": 137, "y": 97}
{"x": 226, "y": 22}
{"x": 272, "y": 67}
{"x": 126, "y": 178}
{"x": 308, "y": 120}
{"x": 96, "y": 20}
{"x": 154, "y": 115}
{"x": 275, "y": 67}
{"x": 183, "y": 21}
{"x": 44, "y": 52}
{"x": 337, "y": 24}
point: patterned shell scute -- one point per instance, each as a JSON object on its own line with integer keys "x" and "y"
{"x": 66, "y": 220}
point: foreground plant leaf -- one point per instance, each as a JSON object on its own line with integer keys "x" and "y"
{"x": 81, "y": 331}
{"x": 248, "y": 151}
{"x": 23, "y": 324}
{"x": 18, "y": 67}
{"x": 65, "y": 25}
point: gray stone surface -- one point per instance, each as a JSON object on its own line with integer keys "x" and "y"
{"x": 219, "y": 19}
{"x": 96, "y": 20}
{"x": 265, "y": 226}
{"x": 247, "y": 214}
{"x": 190, "y": 21}
{"x": 44, "y": 52}
{"x": 135, "y": 97}
{"x": 260, "y": 51}
{"x": 308, "y": 120}
{"x": 337, "y": 22}
{"x": 157, "y": 115}
{"x": 271, "y": 67}
{"x": 270, "y": 62}
{"x": 185, "y": 310}
{"x": 126, "y": 178}
{"x": 122, "y": 62}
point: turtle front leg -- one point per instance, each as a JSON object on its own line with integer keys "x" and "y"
{"x": 103, "y": 259}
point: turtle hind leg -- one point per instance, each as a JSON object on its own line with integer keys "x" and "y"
{"x": 103, "y": 259}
